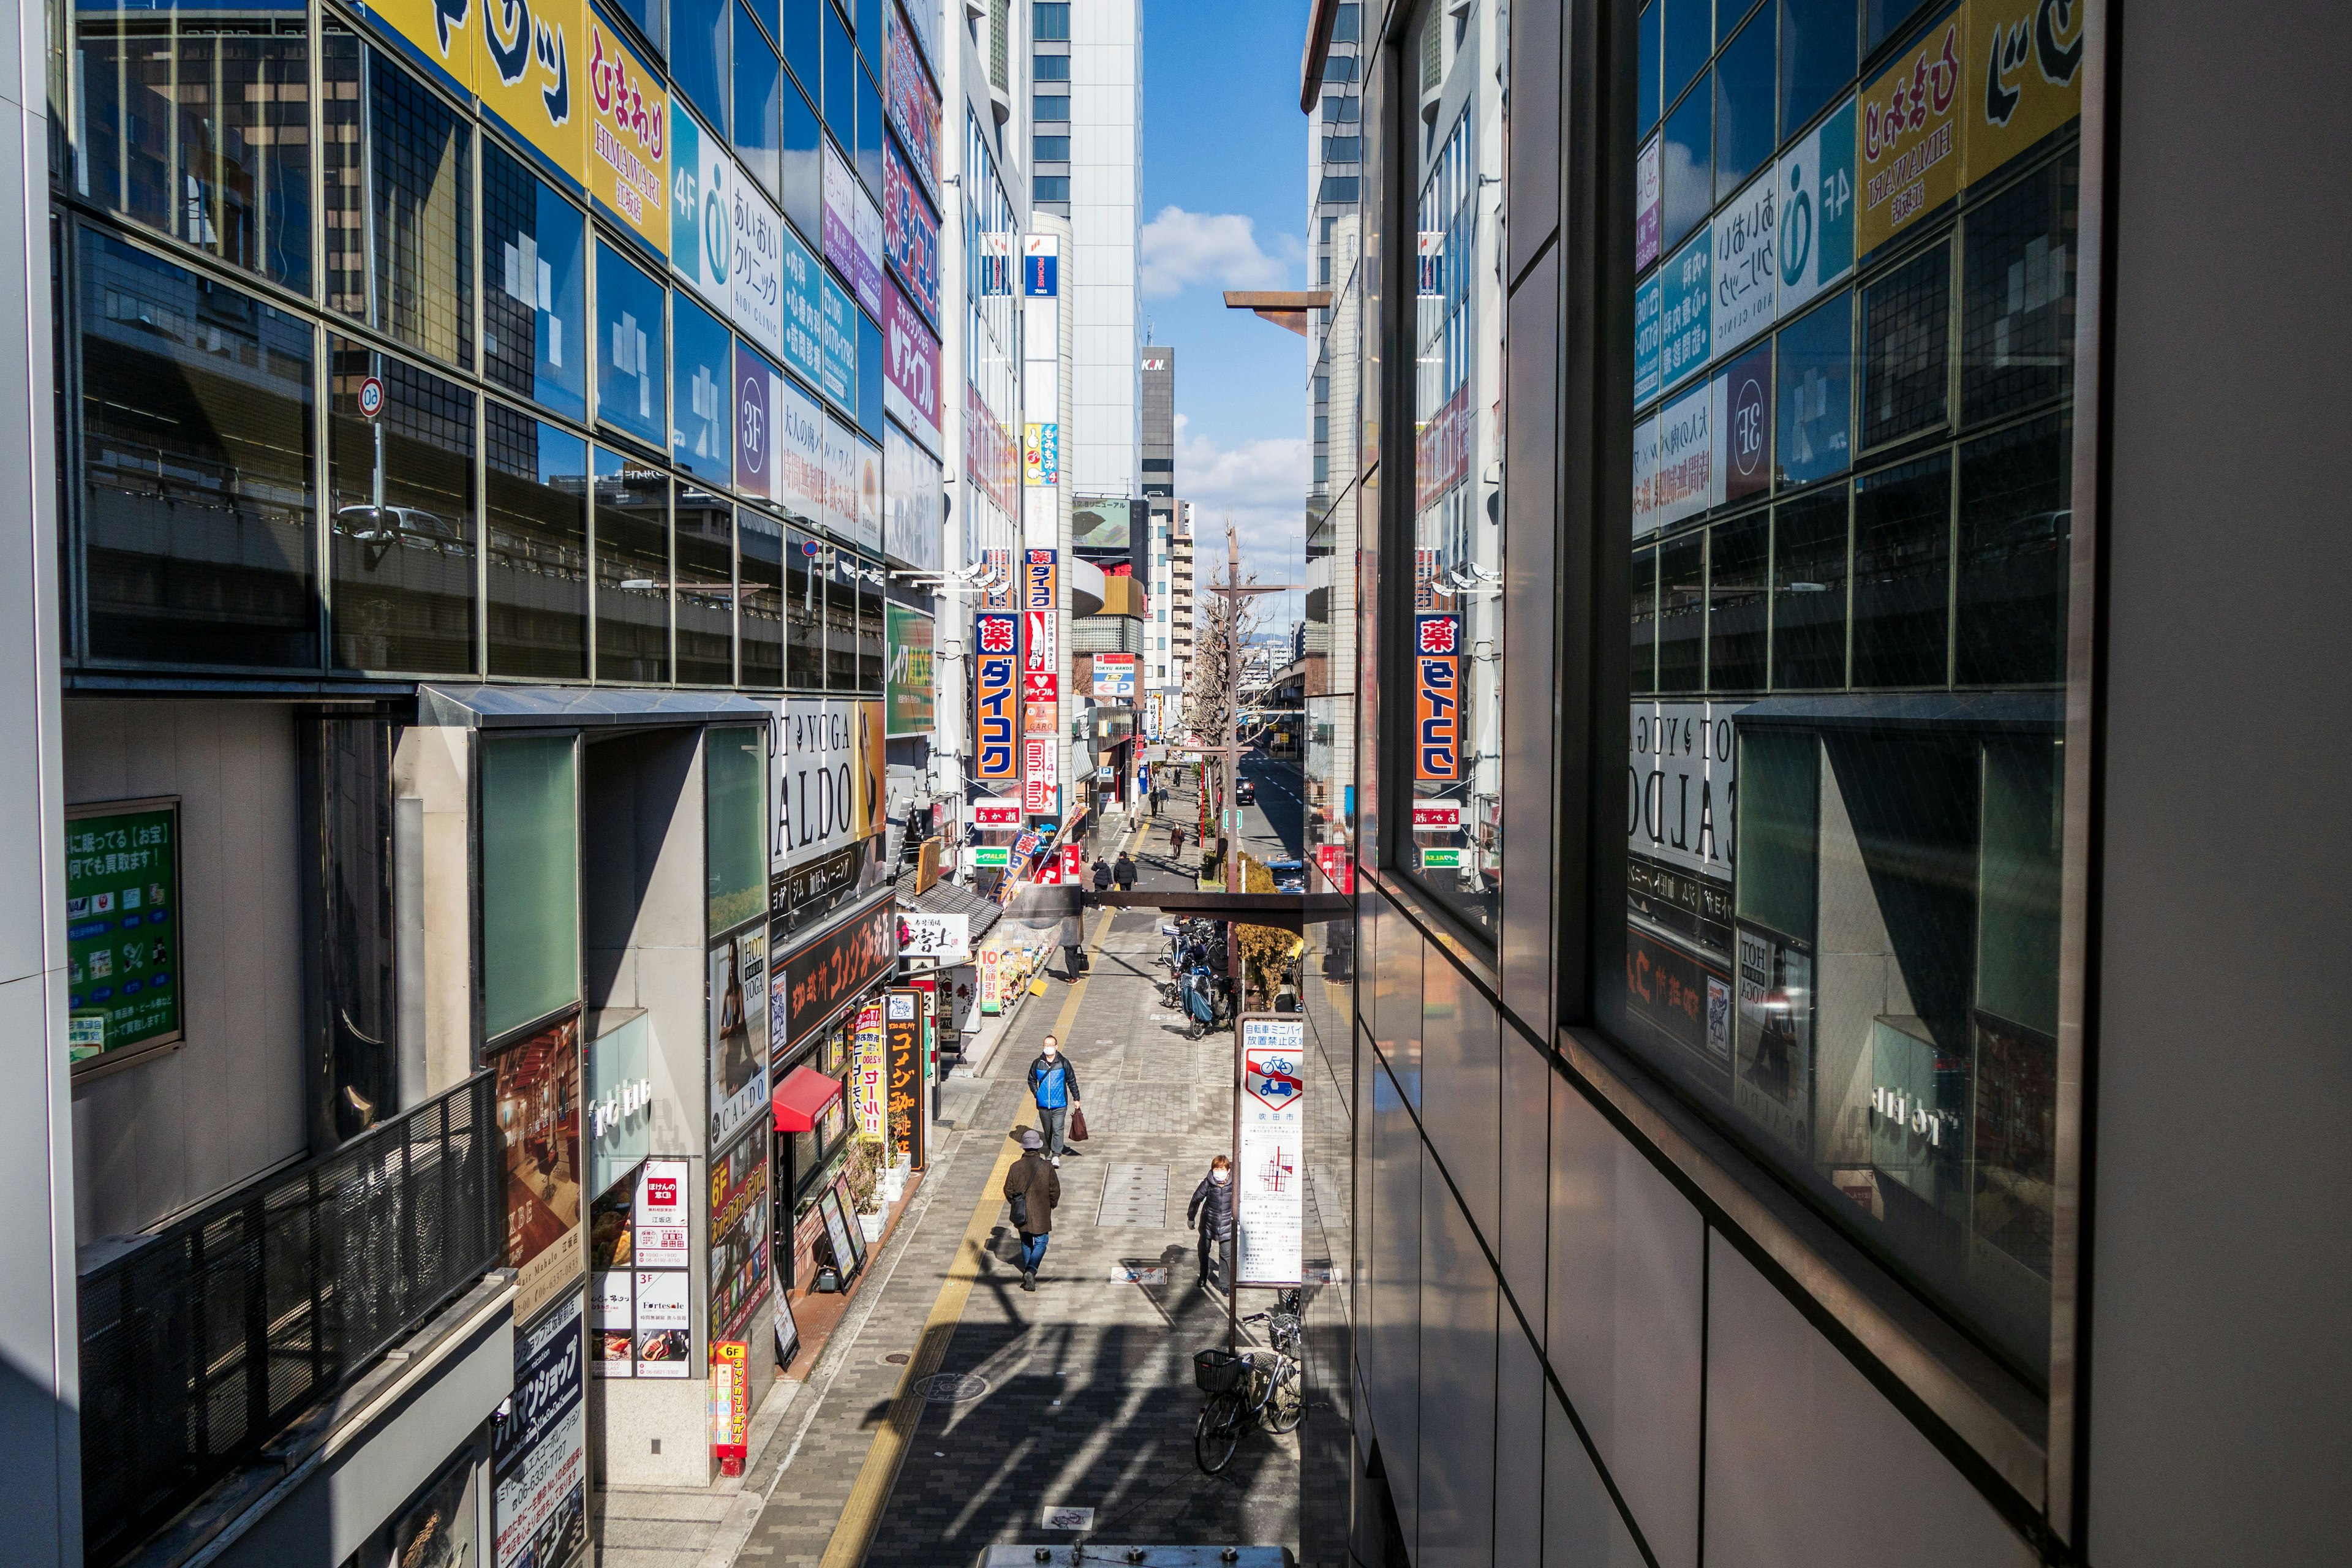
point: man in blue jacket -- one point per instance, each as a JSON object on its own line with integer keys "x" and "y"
{"x": 1054, "y": 1084}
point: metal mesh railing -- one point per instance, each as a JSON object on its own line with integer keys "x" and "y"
{"x": 207, "y": 1343}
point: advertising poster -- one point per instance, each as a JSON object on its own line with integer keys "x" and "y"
{"x": 531, "y": 54}
{"x": 620, "y": 1104}
{"x": 937, "y": 939}
{"x": 991, "y": 981}
{"x": 912, "y": 103}
{"x": 1041, "y": 266}
{"x": 1815, "y": 238}
{"x": 1041, "y": 774}
{"x": 910, "y": 369}
{"x": 838, "y": 235}
{"x": 1688, "y": 479}
{"x": 437, "y": 34}
{"x": 990, "y": 456}
{"x": 612, "y": 1323}
{"x": 731, "y": 1399}
{"x": 866, "y": 280}
{"x": 908, "y": 1115}
{"x": 438, "y": 1529}
{"x": 2025, "y": 77}
{"x": 1040, "y": 453}
{"x": 1746, "y": 274}
{"x": 796, "y": 464}
{"x": 628, "y": 157}
{"x": 994, "y": 698}
{"x": 538, "y": 1088}
{"x": 1687, "y": 309}
{"x": 122, "y": 933}
{"x": 1746, "y": 402}
{"x": 827, "y": 974}
{"x": 867, "y": 1066}
{"x": 914, "y": 500}
{"x": 738, "y": 1235}
{"x": 756, "y": 283}
{"x": 701, "y": 220}
{"x": 1771, "y": 1084}
{"x": 840, "y": 513}
{"x": 739, "y": 1052}
{"x": 1648, "y": 301}
{"x": 1269, "y": 1162}
{"x": 1436, "y": 717}
{"x": 659, "y": 1220}
{"x": 1908, "y": 157}
{"x": 906, "y": 686}
{"x": 663, "y": 1322}
{"x": 1681, "y": 763}
{"x": 1649, "y": 203}
{"x": 1442, "y": 448}
{"x": 755, "y": 424}
{"x": 814, "y": 778}
{"x": 870, "y": 495}
{"x": 1040, "y": 599}
{"x": 1114, "y": 676}
{"x": 911, "y": 234}
{"x": 838, "y": 335}
{"x": 802, "y": 275}
{"x": 539, "y": 1454}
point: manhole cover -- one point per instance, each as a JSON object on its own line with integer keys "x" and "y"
{"x": 896, "y": 1358}
{"x": 953, "y": 1387}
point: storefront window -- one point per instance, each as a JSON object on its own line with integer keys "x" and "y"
{"x": 702, "y": 377}
{"x": 1453, "y": 846}
{"x": 420, "y": 160}
{"x": 403, "y": 532}
{"x": 631, "y": 349}
{"x": 803, "y": 612}
{"x": 196, "y": 449}
{"x": 531, "y": 880}
{"x": 534, "y": 288}
{"x": 633, "y": 570}
{"x": 735, "y": 814}
{"x": 1841, "y": 926}
{"x": 536, "y": 498}
{"x": 705, "y": 588}
{"x": 760, "y": 599}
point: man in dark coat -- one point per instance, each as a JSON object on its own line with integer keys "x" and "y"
{"x": 1212, "y": 1213}
{"x": 1102, "y": 875}
{"x": 1124, "y": 873}
{"x": 1034, "y": 1188}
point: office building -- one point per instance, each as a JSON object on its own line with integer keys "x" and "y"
{"x": 1159, "y": 382}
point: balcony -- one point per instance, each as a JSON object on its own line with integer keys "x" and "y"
{"x": 212, "y": 1339}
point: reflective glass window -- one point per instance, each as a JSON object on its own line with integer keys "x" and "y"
{"x": 1809, "y": 571}
{"x": 1817, "y": 57}
{"x": 631, "y": 349}
{"x": 700, "y": 58}
{"x": 1050, "y": 68}
{"x": 196, "y": 453}
{"x": 1050, "y": 19}
{"x": 1737, "y": 558}
{"x": 1682, "y": 614}
{"x": 404, "y": 530}
{"x": 1815, "y": 404}
{"x": 804, "y": 43}
{"x": 871, "y": 654}
{"x": 1644, "y": 618}
{"x": 760, "y": 599}
{"x": 197, "y": 122}
{"x": 840, "y": 575}
{"x": 2015, "y": 535}
{"x": 759, "y": 104}
{"x": 1050, "y": 149}
{"x": 1685, "y": 164}
{"x": 535, "y": 287}
{"x": 535, "y": 508}
{"x": 420, "y": 160}
{"x": 702, "y": 376}
{"x": 1881, "y": 17}
{"x": 2017, "y": 298}
{"x": 1687, "y": 39}
{"x": 705, "y": 588}
{"x": 1743, "y": 105}
{"x": 1645, "y": 98}
{"x": 648, "y": 17}
{"x": 803, "y": 613}
{"x": 631, "y": 568}
{"x": 869, "y": 133}
{"x": 869, "y": 378}
{"x": 866, "y": 14}
{"x": 1902, "y": 543}
{"x": 531, "y": 878}
{"x": 801, "y": 162}
{"x": 1906, "y": 348}
{"x": 343, "y": 163}
{"x": 839, "y": 102}
{"x": 735, "y": 819}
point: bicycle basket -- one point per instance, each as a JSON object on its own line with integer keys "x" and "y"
{"x": 1218, "y": 1371}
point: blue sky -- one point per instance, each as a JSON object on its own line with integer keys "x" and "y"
{"x": 1225, "y": 147}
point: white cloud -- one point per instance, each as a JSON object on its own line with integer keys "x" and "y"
{"x": 1261, "y": 486}
{"x": 1220, "y": 249}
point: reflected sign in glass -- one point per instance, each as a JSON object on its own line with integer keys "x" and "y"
{"x": 911, "y": 234}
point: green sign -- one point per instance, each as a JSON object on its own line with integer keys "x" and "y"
{"x": 907, "y": 686}
{"x": 997, "y": 855}
{"x": 122, "y": 933}
{"x": 1441, "y": 860}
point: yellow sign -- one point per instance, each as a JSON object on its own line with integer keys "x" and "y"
{"x": 628, "y": 150}
{"x": 1907, "y": 154}
{"x": 440, "y": 32}
{"x": 531, "y": 73}
{"x": 2025, "y": 77}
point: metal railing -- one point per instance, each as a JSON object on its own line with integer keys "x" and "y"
{"x": 207, "y": 1343}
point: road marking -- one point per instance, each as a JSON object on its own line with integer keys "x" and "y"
{"x": 861, "y": 1515}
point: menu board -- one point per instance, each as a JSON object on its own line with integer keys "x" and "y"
{"x": 123, "y": 935}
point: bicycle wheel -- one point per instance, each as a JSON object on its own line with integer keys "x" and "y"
{"x": 1217, "y": 1432}
{"x": 1286, "y": 1401}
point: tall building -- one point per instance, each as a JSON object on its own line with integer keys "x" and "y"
{"x": 1087, "y": 62}
{"x": 1159, "y": 380}
{"x": 1814, "y": 940}
{"x": 1334, "y": 149}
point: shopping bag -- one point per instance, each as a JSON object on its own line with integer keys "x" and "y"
{"x": 1077, "y": 1132}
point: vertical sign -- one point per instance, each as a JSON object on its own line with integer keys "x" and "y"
{"x": 538, "y": 1129}
{"x": 997, "y": 638}
{"x": 628, "y": 165}
{"x": 1040, "y": 612}
{"x": 539, "y": 1454}
{"x": 1040, "y": 773}
{"x": 866, "y": 1074}
{"x": 1816, "y": 216}
{"x": 1908, "y": 158}
{"x": 1269, "y": 1151}
{"x": 531, "y": 57}
{"x": 910, "y": 1117}
{"x": 1041, "y": 266}
{"x": 1437, "y": 699}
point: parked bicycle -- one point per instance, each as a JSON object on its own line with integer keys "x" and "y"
{"x": 1266, "y": 1385}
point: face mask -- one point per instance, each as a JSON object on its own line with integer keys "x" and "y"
{"x": 1221, "y": 1177}
{"x": 1050, "y": 1052}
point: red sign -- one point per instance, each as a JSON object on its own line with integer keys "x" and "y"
{"x": 1074, "y": 862}
{"x": 1338, "y": 869}
{"x": 1447, "y": 815}
{"x": 996, "y": 814}
{"x": 1040, "y": 686}
{"x": 1437, "y": 711}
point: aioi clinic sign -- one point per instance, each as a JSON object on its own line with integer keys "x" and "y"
{"x": 1270, "y": 1150}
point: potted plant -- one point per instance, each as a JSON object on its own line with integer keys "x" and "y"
{"x": 864, "y": 1171}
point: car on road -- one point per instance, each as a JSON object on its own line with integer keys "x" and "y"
{"x": 1289, "y": 876}
{"x": 1245, "y": 792}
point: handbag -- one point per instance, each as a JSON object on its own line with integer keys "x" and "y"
{"x": 1021, "y": 1210}
{"x": 1077, "y": 1129}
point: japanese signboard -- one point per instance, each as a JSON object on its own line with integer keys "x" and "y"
{"x": 838, "y": 234}
{"x": 1746, "y": 278}
{"x": 1815, "y": 238}
{"x": 990, "y": 457}
{"x": 1682, "y": 763}
{"x": 1041, "y": 620}
{"x": 123, "y": 938}
{"x": 1688, "y": 476}
{"x": 910, "y": 369}
{"x": 1041, "y": 266}
{"x": 827, "y": 974}
{"x": 937, "y": 939}
{"x": 907, "y": 680}
{"x": 909, "y": 1115}
{"x": 659, "y": 1215}
{"x": 739, "y": 1050}
{"x": 538, "y": 1090}
{"x": 2025, "y": 77}
{"x": 1040, "y": 773}
{"x": 804, "y": 312}
{"x": 1114, "y": 676}
{"x": 730, "y": 1401}
{"x": 996, "y": 814}
{"x": 1907, "y": 160}
{"x": 1436, "y": 717}
{"x": 539, "y": 1454}
{"x": 628, "y": 162}
{"x": 840, "y": 513}
{"x": 1040, "y": 453}
{"x": 1649, "y": 204}
{"x": 1680, "y": 996}
{"x": 701, "y": 222}
{"x": 738, "y": 1235}
{"x": 820, "y": 771}
{"x": 912, "y": 102}
{"x": 914, "y": 500}
{"x": 756, "y": 281}
{"x": 866, "y": 1074}
{"x": 1649, "y": 305}
{"x": 911, "y": 234}
{"x": 837, "y": 336}
{"x": 533, "y": 57}
{"x": 1269, "y": 1160}
{"x": 1687, "y": 309}
{"x": 1745, "y": 403}
{"x": 994, "y": 695}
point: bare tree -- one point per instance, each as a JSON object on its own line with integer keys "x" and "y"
{"x": 1213, "y": 698}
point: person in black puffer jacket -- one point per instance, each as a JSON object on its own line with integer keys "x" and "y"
{"x": 1212, "y": 1211}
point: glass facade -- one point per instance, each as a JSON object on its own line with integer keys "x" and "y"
{"x": 531, "y": 880}
{"x": 1853, "y": 329}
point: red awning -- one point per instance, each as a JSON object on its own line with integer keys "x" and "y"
{"x": 802, "y": 1099}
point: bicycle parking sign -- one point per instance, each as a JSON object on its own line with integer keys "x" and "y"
{"x": 1269, "y": 1149}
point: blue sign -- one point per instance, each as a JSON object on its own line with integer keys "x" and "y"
{"x": 1041, "y": 271}
{"x": 1646, "y": 304}
{"x": 1687, "y": 309}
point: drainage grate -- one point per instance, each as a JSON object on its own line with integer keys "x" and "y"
{"x": 953, "y": 1387}
{"x": 1135, "y": 1196}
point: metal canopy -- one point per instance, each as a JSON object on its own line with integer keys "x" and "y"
{"x": 580, "y": 707}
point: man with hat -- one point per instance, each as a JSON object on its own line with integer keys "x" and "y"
{"x": 1034, "y": 1188}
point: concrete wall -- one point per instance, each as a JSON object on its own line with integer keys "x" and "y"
{"x": 179, "y": 1128}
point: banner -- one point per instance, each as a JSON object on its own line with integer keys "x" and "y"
{"x": 629, "y": 160}
{"x": 701, "y": 219}
{"x": 1269, "y": 1160}
{"x": 124, "y": 924}
{"x": 1436, "y": 717}
{"x": 910, "y": 369}
{"x": 866, "y": 1074}
{"x": 906, "y": 690}
{"x": 906, "y": 1091}
{"x": 1908, "y": 159}
{"x": 532, "y": 60}
{"x": 1815, "y": 178}
{"x": 539, "y": 1454}
{"x": 997, "y": 639}
{"x": 1040, "y": 773}
{"x": 911, "y": 234}
{"x": 1041, "y": 454}
{"x": 739, "y": 1232}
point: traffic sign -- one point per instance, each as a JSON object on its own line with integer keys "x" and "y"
{"x": 370, "y": 397}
